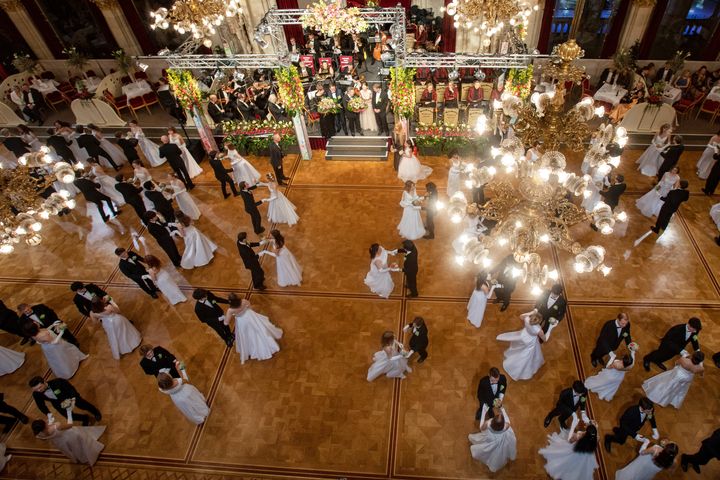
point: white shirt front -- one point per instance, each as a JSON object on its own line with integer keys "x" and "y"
{"x": 687, "y": 332}
{"x": 551, "y": 300}
{"x": 494, "y": 387}
{"x": 50, "y": 394}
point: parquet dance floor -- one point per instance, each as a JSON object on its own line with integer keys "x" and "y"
{"x": 309, "y": 411}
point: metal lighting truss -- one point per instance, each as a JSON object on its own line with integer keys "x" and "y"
{"x": 192, "y": 62}
{"x": 464, "y": 60}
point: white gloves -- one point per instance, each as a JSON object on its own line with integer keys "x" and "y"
{"x": 639, "y": 438}
{"x": 585, "y": 418}
{"x": 684, "y": 353}
{"x": 656, "y": 434}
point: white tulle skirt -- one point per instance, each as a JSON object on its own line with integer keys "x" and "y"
{"x": 605, "y": 383}
{"x": 411, "y": 225}
{"x": 563, "y": 463}
{"x": 255, "y": 336}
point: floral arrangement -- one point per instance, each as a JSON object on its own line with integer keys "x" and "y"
{"x": 519, "y": 82}
{"x": 290, "y": 90}
{"x": 634, "y": 347}
{"x": 677, "y": 62}
{"x": 448, "y": 138}
{"x": 24, "y": 63}
{"x": 254, "y": 136}
{"x": 327, "y": 106}
{"x": 356, "y": 104}
{"x": 332, "y": 18}
{"x": 186, "y": 88}
{"x": 123, "y": 60}
{"x": 625, "y": 60}
{"x": 656, "y": 93}
{"x": 76, "y": 59}
{"x": 402, "y": 91}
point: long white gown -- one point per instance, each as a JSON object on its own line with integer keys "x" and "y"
{"x": 255, "y": 336}
{"x": 390, "y": 362}
{"x": 473, "y": 229}
{"x": 454, "y": 178}
{"x": 669, "y": 388}
{"x": 598, "y": 179}
{"x": 367, "y": 116}
{"x": 198, "y": 249}
{"x": 150, "y": 149}
{"x": 280, "y": 209}
{"x": 492, "y": 448}
{"x": 476, "y": 306}
{"x": 168, "y": 287}
{"x": 650, "y": 161}
{"x": 113, "y": 150}
{"x": 706, "y": 161}
{"x": 411, "y": 169}
{"x": 107, "y": 185}
{"x": 563, "y": 463}
{"x": 289, "y": 271}
{"x": 715, "y": 214}
{"x": 79, "y": 444}
{"x": 185, "y": 201}
{"x": 10, "y": 360}
{"x": 524, "y": 355}
{"x": 79, "y": 153}
{"x": 63, "y": 358}
{"x": 411, "y": 224}
{"x": 605, "y": 383}
{"x": 122, "y": 335}
{"x": 191, "y": 164}
{"x": 189, "y": 401}
{"x": 650, "y": 203}
{"x": 243, "y": 171}
{"x": 378, "y": 279}
{"x": 33, "y": 141}
{"x": 642, "y": 468}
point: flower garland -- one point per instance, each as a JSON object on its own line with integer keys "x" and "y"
{"x": 76, "y": 59}
{"x": 254, "y": 136}
{"x": 357, "y": 105}
{"x": 24, "y": 63}
{"x": 402, "y": 91}
{"x": 123, "y": 60}
{"x": 448, "y": 138}
{"x": 290, "y": 90}
{"x": 327, "y": 106}
{"x": 186, "y": 88}
{"x": 519, "y": 82}
{"x": 656, "y": 93}
{"x": 332, "y": 18}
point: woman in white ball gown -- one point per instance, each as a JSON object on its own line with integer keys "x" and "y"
{"x": 199, "y": 249}
{"x": 186, "y": 398}
{"x": 474, "y": 228}
{"x": 242, "y": 170}
{"x": 378, "y": 278}
{"x": 27, "y": 136}
{"x": 706, "y": 162}
{"x": 524, "y": 355}
{"x": 113, "y": 150}
{"x": 649, "y": 162}
{"x": 571, "y": 457}
{"x": 191, "y": 164}
{"x": 280, "y": 209}
{"x": 255, "y": 336}
{"x": 63, "y": 357}
{"x": 391, "y": 360}
{"x": 411, "y": 225}
{"x": 79, "y": 444}
{"x": 148, "y": 148}
{"x": 367, "y": 116}
{"x": 650, "y": 461}
{"x": 670, "y": 388}
{"x": 454, "y": 175}
{"x": 496, "y": 443}
{"x": 140, "y": 176}
{"x": 164, "y": 281}
{"x": 107, "y": 185}
{"x": 289, "y": 271}
{"x": 184, "y": 200}
{"x": 10, "y": 360}
{"x": 651, "y": 203}
{"x": 479, "y": 298}
{"x": 122, "y": 336}
{"x": 410, "y": 169}
{"x": 608, "y": 380}
{"x": 598, "y": 179}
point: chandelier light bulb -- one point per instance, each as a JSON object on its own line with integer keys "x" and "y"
{"x": 579, "y": 267}
{"x": 563, "y": 176}
{"x": 518, "y": 224}
{"x": 600, "y": 111}
{"x": 621, "y": 132}
{"x": 516, "y": 272}
{"x": 36, "y": 227}
{"x": 605, "y": 270}
{"x": 509, "y": 169}
{"x": 486, "y": 262}
{"x": 6, "y": 249}
{"x": 20, "y": 231}
{"x": 207, "y": 43}
{"x": 492, "y": 170}
{"x": 543, "y": 174}
{"x": 460, "y": 260}
{"x": 587, "y": 193}
{"x": 502, "y": 241}
{"x": 545, "y": 238}
{"x": 622, "y": 216}
{"x": 622, "y": 141}
{"x": 64, "y": 194}
{"x": 606, "y": 230}
{"x": 455, "y": 218}
{"x": 553, "y": 275}
{"x": 507, "y": 160}
{"x": 494, "y": 151}
{"x": 439, "y": 205}
{"x": 44, "y": 214}
{"x": 71, "y": 203}
{"x": 536, "y": 290}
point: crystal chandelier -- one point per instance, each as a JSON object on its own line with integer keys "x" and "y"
{"x": 197, "y": 17}
{"x": 488, "y": 16}
{"x": 531, "y": 202}
{"x": 22, "y": 209}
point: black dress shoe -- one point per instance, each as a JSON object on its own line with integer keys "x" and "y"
{"x": 717, "y": 240}
{"x": 24, "y": 419}
{"x": 683, "y": 463}
{"x": 547, "y": 421}
{"x": 98, "y": 417}
{"x": 504, "y": 307}
{"x": 661, "y": 366}
{"x": 24, "y": 341}
{"x": 594, "y": 363}
{"x": 607, "y": 443}
{"x": 86, "y": 422}
{"x": 646, "y": 365}
{"x": 154, "y": 295}
{"x": 421, "y": 360}
{"x": 262, "y": 229}
{"x": 226, "y": 195}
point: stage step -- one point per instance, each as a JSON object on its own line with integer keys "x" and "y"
{"x": 357, "y": 148}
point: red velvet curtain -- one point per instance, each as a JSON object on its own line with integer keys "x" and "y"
{"x": 356, "y": 3}
{"x": 394, "y": 3}
{"x": 137, "y": 23}
{"x": 448, "y": 31}
{"x": 44, "y": 27}
{"x": 291, "y": 31}
{"x": 317, "y": 143}
{"x": 546, "y": 25}
{"x": 653, "y": 27}
{"x": 613, "y": 36}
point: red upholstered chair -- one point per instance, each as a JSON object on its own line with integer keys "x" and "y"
{"x": 684, "y": 106}
{"x": 140, "y": 76}
{"x": 587, "y": 90}
{"x": 118, "y": 103}
{"x": 150, "y": 99}
{"x": 709, "y": 106}
{"x": 47, "y": 75}
{"x": 91, "y": 73}
{"x": 55, "y": 98}
{"x": 135, "y": 104}
{"x": 126, "y": 80}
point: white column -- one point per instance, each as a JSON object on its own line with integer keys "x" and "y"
{"x": 253, "y": 12}
{"x": 534, "y": 25}
{"x": 118, "y": 24}
{"x": 636, "y": 23}
{"x": 22, "y": 21}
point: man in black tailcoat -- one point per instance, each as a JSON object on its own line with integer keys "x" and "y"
{"x": 161, "y": 232}
{"x": 173, "y": 154}
{"x": 674, "y": 343}
{"x": 251, "y": 207}
{"x": 162, "y": 205}
{"x": 410, "y": 266}
{"x": 613, "y": 332}
{"x": 251, "y": 260}
{"x": 157, "y": 360}
{"x": 85, "y": 295}
{"x": 551, "y": 304}
{"x": 222, "y": 174}
{"x": 131, "y": 195}
{"x": 276, "y": 160}
{"x": 507, "y": 280}
{"x": 709, "y": 449}
{"x": 91, "y": 144}
{"x": 381, "y": 105}
{"x": 571, "y": 400}
{"x": 60, "y": 144}
{"x": 418, "y": 337}
{"x": 58, "y": 390}
{"x": 671, "y": 203}
{"x": 91, "y": 192}
{"x": 631, "y": 421}
{"x": 43, "y": 316}
{"x": 132, "y": 266}
{"x": 492, "y": 387}
{"x": 210, "y": 313}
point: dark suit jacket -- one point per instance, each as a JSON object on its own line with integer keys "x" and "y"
{"x": 609, "y": 340}
{"x": 382, "y": 103}
{"x": 505, "y": 278}
{"x": 630, "y": 421}
{"x": 219, "y": 169}
{"x": 674, "y": 339}
{"x": 16, "y": 146}
{"x": 130, "y": 193}
{"x": 60, "y": 145}
{"x": 348, "y": 113}
{"x": 484, "y": 392}
{"x": 249, "y": 257}
{"x": 131, "y": 270}
{"x": 250, "y": 203}
{"x": 160, "y": 233}
{"x": 713, "y": 442}
{"x": 671, "y": 157}
{"x": 674, "y": 198}
{"x": 216, "y": 112}
{"x": 566, "y": 401}
{"x": 45, "y": 314}
{"x": 208, "y": 314}
{"x": 611, "y": 196}
{"x": 162, "y": 359}
{"x": 162, "y": 204}
{"x": 277, "y": 111}
{"x": 661, "y": 72}
{"x": 173, "y": 154}
{"x": 9, "y": 320}
{"x": 557, "y": 310}
{"x": 90, "y": 190}
{"x": 62, "y": 389}
{"x": 276, "y": 155}
{"x": 410, "y": 265}
{"x": 82, "y": 303}
{"x": 90, "y": 144}
{"x": 419, "y": 341}
{"x": 128, "y": 147}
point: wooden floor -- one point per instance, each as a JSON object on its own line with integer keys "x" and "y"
{"x": 309, "y": 412}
